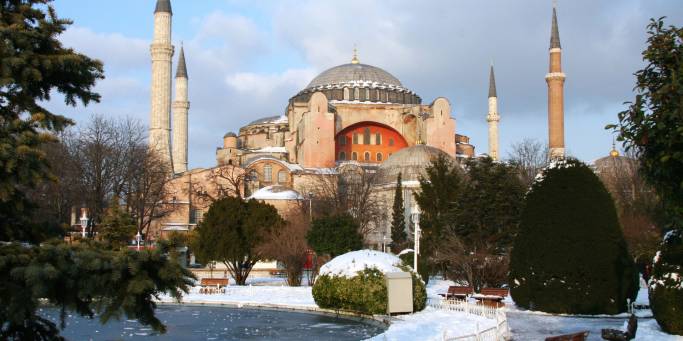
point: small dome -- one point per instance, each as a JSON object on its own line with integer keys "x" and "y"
{"x": 276, "y": 192}
{"x": 411, "y": 162}
{"x": 354, "y": 73}
{"x": 229, "y": 134}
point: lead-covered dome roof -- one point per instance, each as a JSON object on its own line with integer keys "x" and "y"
{"x": 355, "y": 74}
{"x": 411, "y": 162}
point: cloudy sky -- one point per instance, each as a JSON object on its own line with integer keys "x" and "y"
{"x": 247, "y": 58}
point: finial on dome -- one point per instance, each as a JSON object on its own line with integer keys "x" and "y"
{"x": 354, "y": 60}
{"x": 614, "y": 152}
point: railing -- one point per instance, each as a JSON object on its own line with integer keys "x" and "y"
{"x": 499, "y": 332}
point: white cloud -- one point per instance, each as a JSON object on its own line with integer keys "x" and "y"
{"x": 264, "y": 85}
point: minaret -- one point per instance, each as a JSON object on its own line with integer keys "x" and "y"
{"x": 555, "y": 79}
{"x": 162, "y": 52}
{"x": 493, "y": 118}
{"x": 180, "y": 108}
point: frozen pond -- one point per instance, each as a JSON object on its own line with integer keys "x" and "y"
{"x": 218, "y": 323}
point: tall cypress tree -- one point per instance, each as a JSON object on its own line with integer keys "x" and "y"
{"x": 398, "y": 223}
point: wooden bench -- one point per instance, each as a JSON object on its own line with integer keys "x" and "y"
{"x": 492, "y": 297}
{"x": 580, "y": 336}
{"x": 618, "y": 335}
{"x": 458, "y": 292}
{"x": 213, "y": 285}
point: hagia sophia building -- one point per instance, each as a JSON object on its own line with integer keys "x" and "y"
{"x": 351, "y": 116}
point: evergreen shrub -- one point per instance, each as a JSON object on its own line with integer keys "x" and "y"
{"x": 365, "y": 293}
{"x": 570, "y": 255}
{"x": 666, "y": 285}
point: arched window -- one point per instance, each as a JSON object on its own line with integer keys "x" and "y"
{"x": 354, "y": 156}
{"x": 367, "y": 156}
{"x": 379, "y": 156}
{"x": 355, "y": 138}
{"x": 391, "y": 142}
{"x": 355, "y": 94}
{"x": 342, "y": 156}
{"x": 342, "y": 140}
{"x": 378, "y": 139}
{"x": 346, "y": 94}
{"x": 267, "y": 173}
{"x": 281, "y": 177}
{"x": 367, "y": 94}
{"x": 366, "y": 136}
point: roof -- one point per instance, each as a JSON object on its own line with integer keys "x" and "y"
{"x": 492, "y": 84}
{"x": 163, "y": 6}
{"x": 555, "y": 32}
{"x": 411, "y": 162}
{"x": 182, "y": 68}
{"x": 269, "y": 119}
{"x": 276, "y": 192}
{"x": 354, "y": 73}
{"x": 229, "y": 134}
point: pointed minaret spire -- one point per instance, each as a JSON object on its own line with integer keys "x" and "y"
{"x": 181, "y": 107}
{"x": 493, "y": 118}
{"x": 181, "y": 71}
{"x": 555, "y": 79}
{"x": 163, "y": 6}
{"x": 555, "y": 32}
{"x": 492, "y": 83}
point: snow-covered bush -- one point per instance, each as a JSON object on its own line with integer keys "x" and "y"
{"x": 355, "y": 282}
{"x": 666, "y": 285}
{"x": 570, "y": 255}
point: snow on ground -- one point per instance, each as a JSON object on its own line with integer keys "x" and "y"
{"x": 271, "y": 295}
{"x": 431, "y": 323}
{"x": 350, "y": 263}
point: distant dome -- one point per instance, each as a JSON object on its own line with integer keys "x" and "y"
{"x": 269, "y": 120}
{"x": 355, "y": 73}
{"x": 411, "y": 162}
{"x": 276, "y": 192}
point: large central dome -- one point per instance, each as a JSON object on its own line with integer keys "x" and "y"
{"x": 353, "y": 73}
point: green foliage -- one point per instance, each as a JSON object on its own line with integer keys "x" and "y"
{"x": 398, "y": 224}
{"x": 86, "y": 279}
{"x": 490, "y": 207}
{"x": 365, "y": 293}
{"x": 666, "y": 285}
{"x": 408, "y": 260}
{"x": 653, "y": 123}
{"x": 570, "y": 255}
{"x": 231, "y": 233}
{"x": 334, "y": 235}
{"x": 118, "y": 227}
{"x": 33, "y": 65}
{"x": 439, "y": 190}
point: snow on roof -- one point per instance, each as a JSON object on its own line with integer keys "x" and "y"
{"x": 270, "y": 150}
{"x": 276, "y": 192}
{"x": 291, "y": 166}
{"x": 405, "y": 251}
{"x": 349, "y": 264}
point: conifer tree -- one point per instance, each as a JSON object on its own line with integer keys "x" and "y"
{"x": 118, "y": 227}
{"x": 334, "y": 235}
{"x": 398, "y": 224}
{"x": 570, "y": 255}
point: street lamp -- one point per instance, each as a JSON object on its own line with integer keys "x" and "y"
{"x": 137, "y": 239}
{"x": 415, "y": 214}
{"x": 84, "y": 221}
{"x": 310, "y": 206}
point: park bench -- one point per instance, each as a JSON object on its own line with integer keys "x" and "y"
{"x": 580, "y": 336}
{"x": 491, "y": 296}
{"x": 458, "y": 292}
{"x": 213, "y": 285}
{"x": 618, "y": 335}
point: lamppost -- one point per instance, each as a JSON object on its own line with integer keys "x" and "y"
{"x": 310, "y": 206}
{"x": 137, "y": 240}
{"x": 415, "y": 214}
{"x": 84, "y": 221}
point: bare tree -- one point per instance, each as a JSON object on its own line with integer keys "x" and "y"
{"x": 222, "y": 181}
{"x": 288, "y": 246}
{"x": 351, "y": 190}
{"x": 530, "y": 156}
